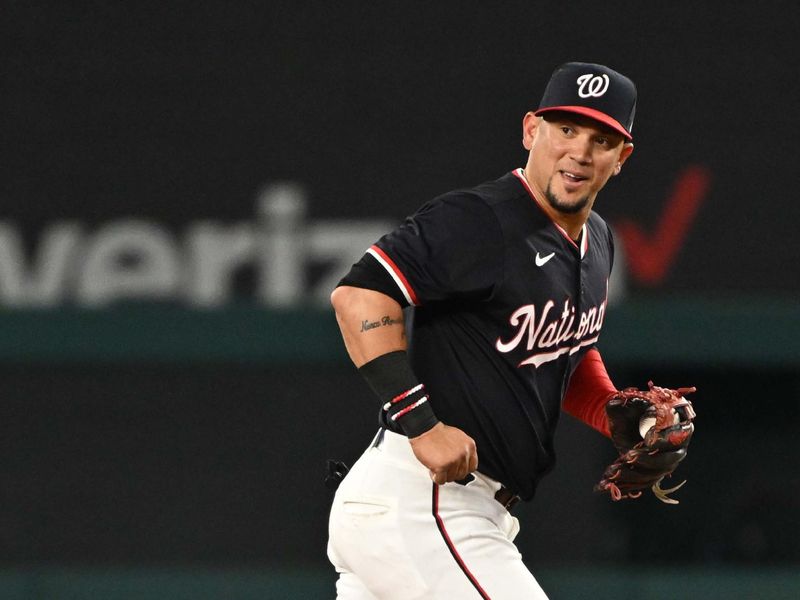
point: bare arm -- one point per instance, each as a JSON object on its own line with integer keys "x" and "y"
{"x": 372, "y": 325}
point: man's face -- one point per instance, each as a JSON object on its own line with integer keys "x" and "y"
{"x": 572, "y": 158}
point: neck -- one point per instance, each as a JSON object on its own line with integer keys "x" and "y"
{"x": 572, "y": 224}
{"x": 569, "y": 222}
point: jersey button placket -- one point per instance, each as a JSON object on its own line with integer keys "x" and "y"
{"x": 581, "y": 288}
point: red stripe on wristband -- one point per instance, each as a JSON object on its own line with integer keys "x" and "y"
{"x": 402, "y": 396}
{"x": 409, "y": 408}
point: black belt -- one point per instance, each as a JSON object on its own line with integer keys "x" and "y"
{"x": 506, "y": 497}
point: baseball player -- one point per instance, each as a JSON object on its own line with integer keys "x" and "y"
{"x": 506, "y": 287}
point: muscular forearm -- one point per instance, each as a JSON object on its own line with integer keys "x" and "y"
{"x": 371, "y": 323}
{"x": 372, "y": 326}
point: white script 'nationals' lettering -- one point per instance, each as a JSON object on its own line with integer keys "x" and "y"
{"x": 550, "y": 335}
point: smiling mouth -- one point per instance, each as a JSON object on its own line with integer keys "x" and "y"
{"x": 573, "y": 177}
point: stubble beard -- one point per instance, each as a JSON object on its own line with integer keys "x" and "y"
{"x": 563, "y": 207}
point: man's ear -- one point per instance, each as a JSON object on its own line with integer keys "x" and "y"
{"x": 627, "y": 150}
{"x": 530, "y": 123}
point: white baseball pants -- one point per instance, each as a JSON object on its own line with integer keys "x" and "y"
{"x": 394, "y": 534}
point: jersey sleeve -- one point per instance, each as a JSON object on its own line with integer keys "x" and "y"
{"x": 369, "y": 274}
{"x": 589, "y": 390}
{"x": 452, "y": 248}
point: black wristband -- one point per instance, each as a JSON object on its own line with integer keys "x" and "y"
{"x": 405, "y": 402}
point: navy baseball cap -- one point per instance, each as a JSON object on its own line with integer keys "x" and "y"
{"x": 594, "y": 91}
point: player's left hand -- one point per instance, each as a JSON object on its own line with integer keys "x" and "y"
{"x": 651, "y": 430}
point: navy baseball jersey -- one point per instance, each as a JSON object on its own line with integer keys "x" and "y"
{"x": 504, "y": 306}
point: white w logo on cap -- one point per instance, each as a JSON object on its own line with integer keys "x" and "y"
{"x": 592, "y": 85}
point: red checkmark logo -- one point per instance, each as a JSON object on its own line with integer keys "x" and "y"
{"x": 650, "y": 256}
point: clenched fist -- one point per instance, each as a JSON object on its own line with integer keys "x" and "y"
{"x": 447, "y": 452}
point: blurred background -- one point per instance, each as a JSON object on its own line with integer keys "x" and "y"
{"x": 183, "y": 183}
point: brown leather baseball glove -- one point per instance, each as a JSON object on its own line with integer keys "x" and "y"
{"x": 651, "y": 430}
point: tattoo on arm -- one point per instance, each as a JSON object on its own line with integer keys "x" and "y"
{"x": 384, "y": 321}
